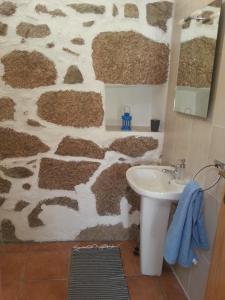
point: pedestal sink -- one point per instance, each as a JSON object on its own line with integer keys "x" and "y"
{"x": 158, "y": 190}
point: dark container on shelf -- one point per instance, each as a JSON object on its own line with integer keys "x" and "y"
{"x": 155, "y": 125}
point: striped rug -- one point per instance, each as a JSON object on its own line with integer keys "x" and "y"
{"x": 97, "y": 274}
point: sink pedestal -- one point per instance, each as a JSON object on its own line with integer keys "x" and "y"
{"x": 154, "y": 223}
{"x": 157, "y": 192}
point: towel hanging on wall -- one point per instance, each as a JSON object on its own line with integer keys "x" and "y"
{"x": 187, "y": 230}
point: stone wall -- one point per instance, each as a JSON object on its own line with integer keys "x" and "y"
{"x": 197, "y": 52}
{"x": 62, "y": 175}
{"x": 196, "y": 62}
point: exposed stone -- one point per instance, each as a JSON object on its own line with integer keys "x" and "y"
{"x": 21, "y": 205}
{"x": 25, "y": 69}
{"x": 50, "y": 45}
{"x": 73, "y": 75}
{"x": 64, "y": 175}
{"x": 70, "y": 51}
{"x": 196, "y": 62}
{"x": 2, "y": 200}
{"x": 216, "y": 3}
{"x": 28, "y": 30}
{"x": 109, "y": 188}
{"x": 84, "y": 8}
{"x": 71, "y": 108}
{"x": 88, "y": 23}
{"x": 77, "y": 41}
{"x": 187, "y": 23}
{"x": 133, "y": 199}
{"x": 122, "y": 159}
{"x": 158, "y": 13}
{"x": 62, "y": 201}
{"x": 19, "y": 144}
{"x": 207, "y": 14}
{"x": 33, "y": 123}
{"x": 31, "y": 161}
{"x": 6, "y": 109}
{"x": 33, "y": 217}
{"x": 16, "y": 172}
{"x": 26, "y": 186}
{"x": 115, "y": 11}
{"x": 131, "y": 11}
{"x": 129, "y": 58}
{"x": 5, "y": 185}
{"x": 134, "y": 146}
{"x": 109, "y": 233}
{"x": 39, "y": 8}
{"x": 3, "y": 29}
{"x": 8, "y": 231}
{"x": 80, "y": 147}
{"x": 7, "y": 8}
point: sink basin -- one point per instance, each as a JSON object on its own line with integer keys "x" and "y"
{"x": 150, "y": 181}
{"x": 157, "y": 190}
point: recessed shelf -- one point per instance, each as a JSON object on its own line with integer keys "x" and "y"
{"x": 134, "y": 128}
{"x": 144, "y": 102}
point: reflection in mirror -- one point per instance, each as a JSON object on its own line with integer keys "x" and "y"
{"x": 197, "y": 53}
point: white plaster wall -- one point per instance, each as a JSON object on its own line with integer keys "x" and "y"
{"x": 200, "y": 141}
{"x": 63, "y": 223}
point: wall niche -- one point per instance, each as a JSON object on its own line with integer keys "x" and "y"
{"x": 145, "y": 102}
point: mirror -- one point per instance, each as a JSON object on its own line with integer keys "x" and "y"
{"x": 196, "y": 62}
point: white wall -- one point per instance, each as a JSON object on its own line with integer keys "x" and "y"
{"x": 199, "y": 141}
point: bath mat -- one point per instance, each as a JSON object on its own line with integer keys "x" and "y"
{"x": 97, "y": 274}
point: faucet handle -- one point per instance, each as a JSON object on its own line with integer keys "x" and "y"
{"x": 181, "y": 163}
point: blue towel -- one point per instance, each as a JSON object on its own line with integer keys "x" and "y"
{"x": 187, "y": 230}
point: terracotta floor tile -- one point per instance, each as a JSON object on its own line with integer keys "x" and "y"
{"x": 56, "y": 246}
{"x": 17, "y": 247}
{"x": 47, "y": 265}
{"x": 10, "y": 291}
{"x": 44, "y": 290}
{"x": 40, "y": 271}
{"x": 1, "y": 296}
{"x": 51, "y": 246}
{"x": 12, "y": 266}
{"x": 130, "y": 262}
{"x": 170, "y": 287}
{"x": 144, "y": 288}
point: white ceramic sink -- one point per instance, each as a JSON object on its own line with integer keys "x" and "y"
{"x": 157, "y": 190}
{"x": 150, "y": 181}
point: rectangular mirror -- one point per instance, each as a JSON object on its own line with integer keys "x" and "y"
{"x": 196, "y": 62}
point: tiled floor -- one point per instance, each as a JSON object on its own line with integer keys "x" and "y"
{"x": 40, "y": 272}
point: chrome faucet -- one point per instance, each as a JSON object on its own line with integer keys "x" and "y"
{"x": 177, "y": 169}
